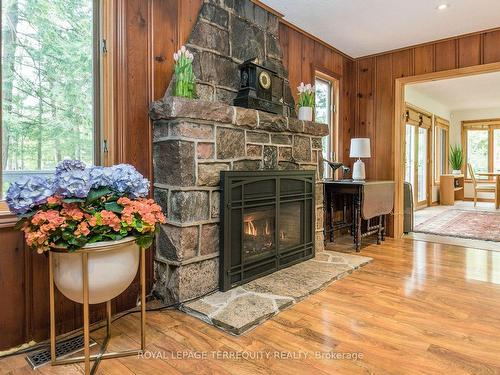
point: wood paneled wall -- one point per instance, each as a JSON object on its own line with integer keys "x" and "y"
{"x": 302, "y": 56}
{"x": 375, "y": 77}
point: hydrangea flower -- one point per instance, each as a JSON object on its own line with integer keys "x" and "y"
{"x": 100, "y": 177}
{"x": 127, "y": 180}
{"x": 68, "y": 165}
{"x": 73, "y": 183}
{"x": 27, "y": 193}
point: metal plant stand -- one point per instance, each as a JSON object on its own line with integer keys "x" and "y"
{"x": 103, "y": 354}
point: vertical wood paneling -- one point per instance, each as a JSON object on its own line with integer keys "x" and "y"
{"x": 384, "y": 94}
{"x": 294, "y": 53}
{"x": 307, "y": 55}
{"x": 469, "y": 51}
{"x": 446, "y": 55}
{"x": 424, "y": 59}
{"x": 491, "y": 47}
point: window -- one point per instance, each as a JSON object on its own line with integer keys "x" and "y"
{"x": 441, "y": 147}
{"x": 49, "y": 67}
{"x": 481, "y": 141}
{"x": 324, "y": 113}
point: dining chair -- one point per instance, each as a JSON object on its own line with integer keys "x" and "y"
{"x": 479, "y": 187}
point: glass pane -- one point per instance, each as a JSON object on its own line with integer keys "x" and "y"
{"x": 290, "y": 224}
{"x": 422, "y": 164}
{"x": 322, "y": 114}
{"x": 496, "y": 150}
{"x": 410, "y": 155}
{"x": 258, "y": 231}
{"x": 47, "y": 80}
{"x": 477, "y": 150}
{"x": 444, "y": 167}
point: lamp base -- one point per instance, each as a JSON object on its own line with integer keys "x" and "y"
{"x": 358, "y": 170}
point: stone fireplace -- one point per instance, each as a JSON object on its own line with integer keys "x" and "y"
{"x": 195, "y": 140}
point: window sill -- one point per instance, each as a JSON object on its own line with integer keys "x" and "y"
{"x": 7, "y": 218}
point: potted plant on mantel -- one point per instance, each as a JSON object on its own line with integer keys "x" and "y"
{"x": 102, "y": 209}
{"x": 306, "y": 101}
{"x": 456, "y": 159}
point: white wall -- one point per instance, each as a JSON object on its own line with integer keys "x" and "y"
{"x": 456, "y": 134}
{"x": 428, "y": 104}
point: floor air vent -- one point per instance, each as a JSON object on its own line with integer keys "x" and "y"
{"x": 63, "y": 348}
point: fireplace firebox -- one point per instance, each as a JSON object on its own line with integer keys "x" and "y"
{"x": 268, "y": 223}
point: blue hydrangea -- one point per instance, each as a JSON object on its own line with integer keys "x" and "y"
{"x": 126, "y": 180}
{"x": 101, "y": 177}
{"x": 69, "y": 165}
{"x": 28, "y": 192}
{"x": 72, "y": 183}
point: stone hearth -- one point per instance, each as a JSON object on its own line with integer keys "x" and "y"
{"x": 193, "y": 141}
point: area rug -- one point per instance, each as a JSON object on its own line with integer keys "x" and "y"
{"x": 243, "y": 308}
{"x": 479, "y": 225}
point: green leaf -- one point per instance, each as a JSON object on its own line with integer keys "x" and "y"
{"x": 20, "y": 223}
{"x": 144, "y": 241}
{"x": 95, "y": 194}
{"x": 113, "y": 207}
{"x": 73, "y": 200}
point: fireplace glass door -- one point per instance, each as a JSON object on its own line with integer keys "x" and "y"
{"x": 258, "y": 232}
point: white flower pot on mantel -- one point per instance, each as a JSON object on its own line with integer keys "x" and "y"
{"x": 456, "y": 172}
{"x": 112, "y": 266}
{"x": 305, "y": 113}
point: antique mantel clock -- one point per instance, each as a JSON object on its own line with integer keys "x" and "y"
{"x": 262, "y": 88}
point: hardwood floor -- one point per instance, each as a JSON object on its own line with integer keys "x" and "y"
{"x": 418, "y": 308}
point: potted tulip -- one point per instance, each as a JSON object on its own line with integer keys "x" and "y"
{"x": 102, "y": 209}
{"x": 184, "y": 80}
{"x": 306, "y": 101}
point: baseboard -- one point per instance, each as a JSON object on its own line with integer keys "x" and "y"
{"x": 490, "y": 200}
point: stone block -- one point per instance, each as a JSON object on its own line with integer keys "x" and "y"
{"x": 195, "y": 279}
{"x": 224, "y": 96}
{"x": 205, "y": 150}
{"x": 301, "y": 148}
{"x": 230, "y": 143}
{"x": 188, "y": 129}
{"x": 219, "y": 70}
{"x": 295, "y": 125}
{"x": 188, "y": 206}
{"x": 273, "y": 46}
{"x": 315, "y": 156}
{"x": 270, "y": 157}
{"x": 254, "y": 151}
{"x": 285, "y": 154}
{"x": 205, "y": 92}
{"x": 211, "y": 37}
{"x": 319, "y": 217}
{"x": 287, "y": 165}
{"x": 316, "y": 143}
{"x": 319, "y": 244}
{"x": 245, "y": 9}
{"x": 209, "y": 243}
{"x": 260, "y": 17}
{"x": 215, "y": 14}
{"x": 257, "y": 137}
{"x": 215, "y": 204}
{"x": 160, "y": 130}
{"x": 281, "y": 139}
{"x": 176, "y": 107}
{"x": 247, "y": 41}
{"x": 161, "y": 198}
{"x": 177, "y": 243}
{"x": 247, "y": 165}
{"x": 245, "y": 117}
{"x": 209, "y": 174}
{"x": 314, "y": 128}
{"x": 272, "y": 123}
{"x": 273, "y": 24}
{"x": 174, "y": 162}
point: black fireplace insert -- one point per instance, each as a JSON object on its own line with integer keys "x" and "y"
{"x": 268, "y": 223}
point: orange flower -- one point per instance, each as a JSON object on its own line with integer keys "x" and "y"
{"x": 56, "y": 199}
{"x": 82, "y": 229}
{"x": 111, "y": 219}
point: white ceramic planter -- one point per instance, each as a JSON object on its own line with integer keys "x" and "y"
{"x": 456, "y": 172}
{"x": 112, "y": 266}
{"x": 305, "y": 113}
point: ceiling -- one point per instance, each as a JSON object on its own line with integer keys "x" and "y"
{"x": 471, "y": 92}
{"x": 364, "y": 27}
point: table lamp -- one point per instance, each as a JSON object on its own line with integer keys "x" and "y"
{"x": 360, "y": 148}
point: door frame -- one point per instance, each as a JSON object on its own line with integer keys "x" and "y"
{"x": 399, "y": 121}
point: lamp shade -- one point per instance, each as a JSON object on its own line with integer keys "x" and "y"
{"x": 360, "y": 148}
